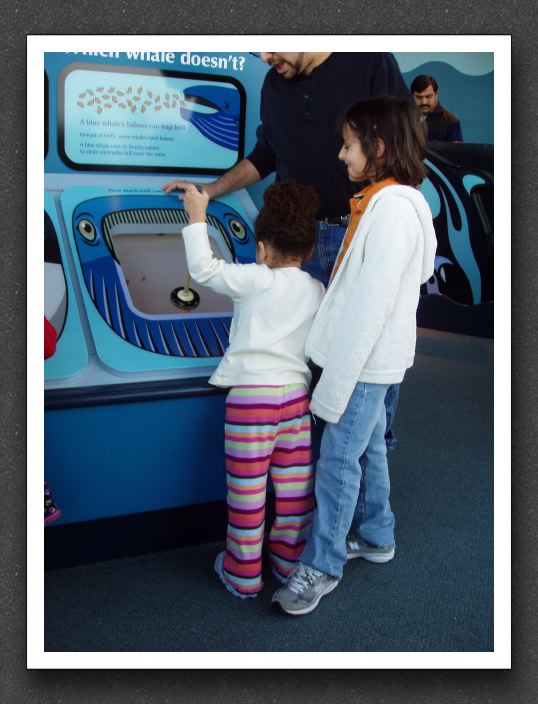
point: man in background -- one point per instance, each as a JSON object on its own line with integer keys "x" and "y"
{"x": 442, "y": 125}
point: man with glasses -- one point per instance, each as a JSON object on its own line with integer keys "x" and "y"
{"x": 302, "y": 98}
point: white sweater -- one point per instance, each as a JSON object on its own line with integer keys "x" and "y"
{"x": 273, "y": 312}
{"x": 365, "y": 329}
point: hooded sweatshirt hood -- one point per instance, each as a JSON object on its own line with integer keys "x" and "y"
{"x": 425, "y": 216}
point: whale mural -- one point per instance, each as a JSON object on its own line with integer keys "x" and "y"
{"x": 107, "y": 229}
{"x": 221, "y": 126}
{"x": 129, "y": 377}
{"x": 459, "y": 190}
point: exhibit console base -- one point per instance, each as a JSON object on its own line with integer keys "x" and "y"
{"x": 138, "y": 534}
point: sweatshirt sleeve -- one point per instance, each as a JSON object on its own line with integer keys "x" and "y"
{"x": 234, "y": 280}
{"x": 387, "y": 253}
{"x": 430, "y": 247}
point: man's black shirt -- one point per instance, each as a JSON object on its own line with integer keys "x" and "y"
{"x": 298, "y": 135}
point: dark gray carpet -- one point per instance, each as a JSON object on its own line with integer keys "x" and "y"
{"x": 436, "y": 595}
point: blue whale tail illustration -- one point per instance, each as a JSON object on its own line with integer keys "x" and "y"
{"x": 221, "y": 126}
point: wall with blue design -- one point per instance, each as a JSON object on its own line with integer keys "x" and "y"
{"x": 465, "y": 87}
{"x": 104, "y": 152}
{"x": 118, "y": 126}
{"x": 242, "y": 69}
{"x": 116, "y": 116}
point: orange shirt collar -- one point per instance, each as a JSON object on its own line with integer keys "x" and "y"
{"x": 358, "y": 204}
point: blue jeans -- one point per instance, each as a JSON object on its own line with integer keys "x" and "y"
{"x": 391, "y": 404}
{"x": 320, "y": 265}
{"x": 352, "y": 483}
{"x": 328, "y": 242}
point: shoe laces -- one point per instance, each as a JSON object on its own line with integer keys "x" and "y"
{"x": 303, "y": 578}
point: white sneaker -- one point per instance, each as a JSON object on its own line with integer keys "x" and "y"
{"x": 358, "y": 548}
{"x": 304, "y": 590}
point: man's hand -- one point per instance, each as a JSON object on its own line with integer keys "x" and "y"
{"x": 182, "y": 186}
{"x": 195, "y": 198}
{"x": 240, "y": 176}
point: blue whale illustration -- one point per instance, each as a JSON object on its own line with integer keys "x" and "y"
{"x": 169, "y": 334}
{"x": 439, "y": 276}
{"x": 459, "y": 189}
{"x": 222, "y": 126}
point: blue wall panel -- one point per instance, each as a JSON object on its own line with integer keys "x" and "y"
{"x": 126, "y": 458}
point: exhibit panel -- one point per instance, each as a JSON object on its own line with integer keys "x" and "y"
{"x": 131, "y": 265}
{"x": 131, "y": 424}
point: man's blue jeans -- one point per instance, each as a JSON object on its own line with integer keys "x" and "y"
{"x": 352, "y": 483}
{"x": 320, "y": 265}
{"x": 328, "y": 242}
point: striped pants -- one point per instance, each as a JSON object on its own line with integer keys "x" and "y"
{"x": 267, "y": 430}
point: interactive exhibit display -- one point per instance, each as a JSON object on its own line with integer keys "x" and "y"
{"x": 131, "y": 425}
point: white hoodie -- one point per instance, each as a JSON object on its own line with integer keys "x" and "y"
{"x": 365, "y": 329}
{"x": 273, "y": 312}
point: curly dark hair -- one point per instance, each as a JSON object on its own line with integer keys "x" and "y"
{"x": 287, "y": 220}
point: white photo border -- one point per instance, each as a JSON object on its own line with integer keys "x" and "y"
{"x": 500, "y": 657}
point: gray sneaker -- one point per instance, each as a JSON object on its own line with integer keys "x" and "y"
{"x": 305, "y": 588}
{"x": 355, "y": 547}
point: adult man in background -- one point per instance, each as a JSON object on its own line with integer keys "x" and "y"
{"x": 442, "y": 125}
{"x": 302, "y": 98}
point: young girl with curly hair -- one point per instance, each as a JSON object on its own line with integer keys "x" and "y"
{"x": 267, "y": 424}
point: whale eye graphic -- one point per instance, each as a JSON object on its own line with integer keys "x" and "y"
{"x": 238, "y": 230}
{"x": 87, "y": 230}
